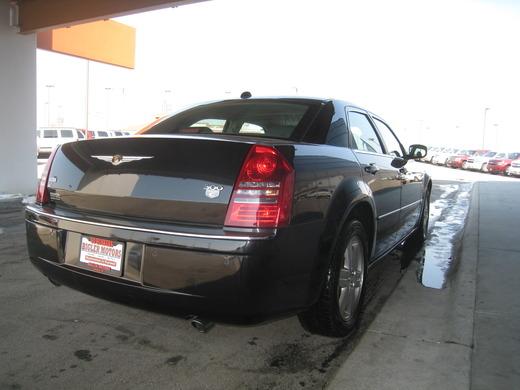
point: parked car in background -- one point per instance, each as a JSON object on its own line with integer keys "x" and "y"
{"x": 432, "y": 153}
{"x": 94, "y": 134}
{"x": 283, "y": 210}
{"x": 479, "y": 163}
{"x": 501, "y": 163}
{"x": 459, "y": 159}
{"x": 47, "y": 138}
{"x": 442, "y": 157}
{"x": 514, "y": 169}
{"x": 118, "y": 133}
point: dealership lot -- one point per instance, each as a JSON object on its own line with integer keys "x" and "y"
{"x": 59, "y": 338}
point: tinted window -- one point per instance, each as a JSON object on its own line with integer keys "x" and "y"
{"x": 50, "y": 133}
{"x": 102, "y": 134}
{"x": 365, "y": 137}
{"x": 337, "y": 134}
{"x": 67, "y": 133}
{"x": 118, "y": 134}
{"x": 392, "y": 144}
{"x": 274, "y": 119}
{"x": 80, "y": 135}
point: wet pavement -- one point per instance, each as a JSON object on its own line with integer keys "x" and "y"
{"x": 59, "y": 338}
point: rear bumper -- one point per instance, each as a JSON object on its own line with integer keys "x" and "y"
{"x": 234, "y": 279}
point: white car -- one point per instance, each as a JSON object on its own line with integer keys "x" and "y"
{"x": 441, "y": 158}
{"x": 479, "y": 163}
{"x": 514, "y": 169}
{"x": 49, "y": 137}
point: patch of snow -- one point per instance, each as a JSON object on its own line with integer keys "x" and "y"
{"x": 447, "y": 220}
{"x": 29, "y": 199}
{"x": 10, "y": 196}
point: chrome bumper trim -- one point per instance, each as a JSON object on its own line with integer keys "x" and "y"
{"x": 145, "y": 230}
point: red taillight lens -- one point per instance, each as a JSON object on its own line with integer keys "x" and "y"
{"x": 42, "y": 193}
{"x": 263, "y": 193}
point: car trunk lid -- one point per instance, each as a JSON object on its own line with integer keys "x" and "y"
{"x": 176, "y": 179}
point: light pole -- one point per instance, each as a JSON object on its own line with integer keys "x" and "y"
{"x": 484, "y": 127}
{"x": 87, "y": 95}
{"x": 107, "y": 90}
{"x": 49, "y": 86}
{"x": 166, "y": 101}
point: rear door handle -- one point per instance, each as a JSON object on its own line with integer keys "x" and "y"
{"x": 371, "y": 168}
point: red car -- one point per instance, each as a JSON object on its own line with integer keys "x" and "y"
{"x": 458, "y": 160}
{"x": 501, "y": 162}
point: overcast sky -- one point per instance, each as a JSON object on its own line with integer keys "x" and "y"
{"x": 429, "y": 67}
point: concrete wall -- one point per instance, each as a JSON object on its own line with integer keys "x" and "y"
{"x": 17, "y": 108}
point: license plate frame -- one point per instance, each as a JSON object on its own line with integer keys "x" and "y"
{"x": 102, "y": 255}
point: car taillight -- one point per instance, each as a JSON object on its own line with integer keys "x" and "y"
{"x": 42, "y": 194}
{"x": 263, "y": 193}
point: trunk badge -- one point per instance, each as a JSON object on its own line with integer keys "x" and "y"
{"x": 213, "y": 191}
{"x": 119, "y": 159}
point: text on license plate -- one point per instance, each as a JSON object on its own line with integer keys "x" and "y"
{"x": 101, "y": 254}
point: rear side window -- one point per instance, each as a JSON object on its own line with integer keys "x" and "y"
{"x": 80, "y": 134}
{"x": 392, "y": 144}
{"x": 50, "y": 133}
{"x": 67, "y": 134}
{"x": 102, "y": 134}
{"x": 118, "y": 133}
{"x": 252, "y": 118}
{"x": 364, "y": 135}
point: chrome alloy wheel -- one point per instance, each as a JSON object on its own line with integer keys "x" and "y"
{"x": 351, "y": 277}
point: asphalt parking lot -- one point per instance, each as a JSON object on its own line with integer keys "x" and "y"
{"x": 55, "y": 337}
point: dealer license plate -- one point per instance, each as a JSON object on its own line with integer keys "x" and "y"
{"x": 101, "y": 255}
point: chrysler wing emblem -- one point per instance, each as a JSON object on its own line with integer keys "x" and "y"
{"x": 118, "y": 159}
{"x": 213, "y": 191}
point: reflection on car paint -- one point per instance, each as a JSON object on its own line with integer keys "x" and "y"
{"x": 438, "y": 257}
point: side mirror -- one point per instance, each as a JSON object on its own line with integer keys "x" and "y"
{"x": 417, "y": 151}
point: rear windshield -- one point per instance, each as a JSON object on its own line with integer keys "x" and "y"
{"x": 240, "y": 118}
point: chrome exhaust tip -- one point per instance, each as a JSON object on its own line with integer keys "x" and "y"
{"x": 201, "y": 325}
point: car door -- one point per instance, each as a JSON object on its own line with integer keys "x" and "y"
{"x": 380, "y": 176}
{"x": 412, "y": 188}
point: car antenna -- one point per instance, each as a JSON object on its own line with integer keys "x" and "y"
{"x": 245, "y": 95}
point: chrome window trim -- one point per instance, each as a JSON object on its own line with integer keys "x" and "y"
{"x": 145, "y": 230}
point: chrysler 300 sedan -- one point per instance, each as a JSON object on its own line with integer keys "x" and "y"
{"x": 237, "y": 211}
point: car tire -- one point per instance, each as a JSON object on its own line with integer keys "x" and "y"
{"x": 507, "y": 171}
{"x": 418, "y": 237}
{"x": 338, "y": 310}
